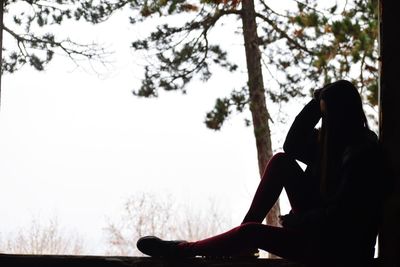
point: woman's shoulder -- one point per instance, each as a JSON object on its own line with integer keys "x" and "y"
{"x": 365, "y": 146}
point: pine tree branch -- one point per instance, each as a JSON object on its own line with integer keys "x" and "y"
{"x": 267, "y": 7}
{"x": 207, "y": 24}
{"x": 284, "y": 34}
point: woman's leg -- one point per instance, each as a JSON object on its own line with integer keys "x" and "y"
{"x": 282, "y": 171}
{"x": 283, "y": 242}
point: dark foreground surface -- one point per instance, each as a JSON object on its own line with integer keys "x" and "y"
{"x": 7, "y": 260}
{"x": 100, "y": 261}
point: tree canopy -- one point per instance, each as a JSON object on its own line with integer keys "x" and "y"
{"x": 302, "y": 47}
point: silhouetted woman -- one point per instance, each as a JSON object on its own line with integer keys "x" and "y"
{"x": 335, "y": 202}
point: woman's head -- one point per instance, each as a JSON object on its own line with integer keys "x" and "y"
{"x": 343, "y": 114}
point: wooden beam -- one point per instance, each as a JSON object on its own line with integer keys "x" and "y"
{"x": 389, "y": 127}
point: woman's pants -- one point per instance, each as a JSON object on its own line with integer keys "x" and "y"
{"x": 281, "y": 172}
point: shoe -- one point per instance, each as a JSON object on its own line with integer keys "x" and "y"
{"x": 250, "y": 254}
{"x": 156, "y": 247}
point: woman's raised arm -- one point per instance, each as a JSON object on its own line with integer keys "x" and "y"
{"x": 302, "y": 139}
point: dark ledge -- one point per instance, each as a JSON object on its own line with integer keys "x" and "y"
{"x": 10, "y": 260}
{"x": 7, "y": 260}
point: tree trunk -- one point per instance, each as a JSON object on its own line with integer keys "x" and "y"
{"x": 258, "y": 105}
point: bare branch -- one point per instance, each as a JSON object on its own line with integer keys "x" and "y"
{"x": 73, "y": 50}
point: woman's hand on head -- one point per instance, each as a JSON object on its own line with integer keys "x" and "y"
{"x": 317, "y": 94}
{"x": 317, "y": 98}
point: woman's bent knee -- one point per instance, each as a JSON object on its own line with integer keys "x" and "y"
{"x": 281, "y": 156}
{"x": 280, "y": 160}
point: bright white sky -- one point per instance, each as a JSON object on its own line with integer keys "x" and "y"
{"x": 75, "y": 145}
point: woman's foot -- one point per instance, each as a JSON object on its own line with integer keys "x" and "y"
{"x": 156, "y": 247}
{"x": 250, "y": 254}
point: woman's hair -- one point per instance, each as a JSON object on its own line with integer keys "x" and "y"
{"x": 343, "y": 123}
{"x": 344, "y": 107}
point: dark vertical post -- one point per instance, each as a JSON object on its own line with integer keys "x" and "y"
{"x": 389, "y": 126}
{"x": 1, "y": 42}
